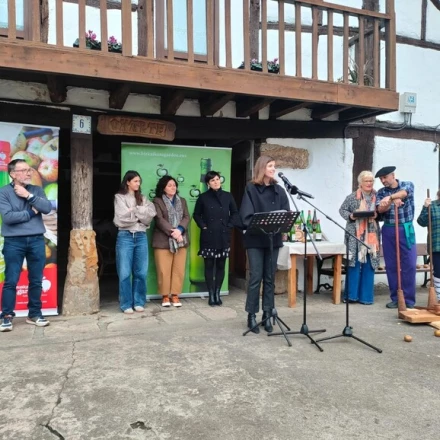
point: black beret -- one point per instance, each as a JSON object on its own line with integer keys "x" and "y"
{"x": 385, "y": 171}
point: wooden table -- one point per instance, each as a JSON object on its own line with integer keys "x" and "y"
{"x": 325, "y": 248}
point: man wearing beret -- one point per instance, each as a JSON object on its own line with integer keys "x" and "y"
{"x": 401, "y": 194}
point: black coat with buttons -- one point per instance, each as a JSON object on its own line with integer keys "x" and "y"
{"x": 216, "y": 214}
{"x": 262, "y": 198}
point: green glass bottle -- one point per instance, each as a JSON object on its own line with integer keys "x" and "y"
{"x": 196, "y": 263}
{"x": 309, "y": 225}
{"x": 318, "y": 231}
{"x": 5, "y": 151}
{"x": 314, "y": 224}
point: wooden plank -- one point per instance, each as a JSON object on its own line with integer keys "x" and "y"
{"x": 330, "y": 46}
{"x": 170, "y": 103}
{"x": 345, "y": 50}
{"x": 337, "y": 279}
{"x": 423, "y": 24}
{"x": 414, "y": 316}
{"x": 82, "y": 23}
{"x": 291, "y": 287}
{"x": 210, "y": 31}
{"x": 390, "y": 39}
{"x": 36, "y": 20}
{"x": 314, "y": 43}
{"x": 298, "y": 38}
{"x": 280, "y": 108}
{"x": 12, "y": 24}
{"x": 248, "y": 106}
{"x": 228, "y": 33}
{"x": 281, "y": 36}
{"x": 264, "y": 35}
{"x": 190, "y": 30}
{"x": 150, "y": 28}
{"x": 247, "y": 50}
{"x": 325, "y": 111}
{"x": 208, "y": 107}
{"x": 93, "y": 64}
{"x": 361, "y": 58}
{"x": 59, "y": 24}
{"x": 170, "y": 29}
{"x": 127, "y": 43}
{"x": 376, "y": 54}
{"x": 324, "y": 6}
{"x": 104, "y": 28}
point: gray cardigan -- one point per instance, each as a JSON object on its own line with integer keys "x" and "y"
{"x": 18, "y": 218}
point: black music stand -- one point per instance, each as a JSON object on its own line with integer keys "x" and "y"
{"x": 271, "y": 223}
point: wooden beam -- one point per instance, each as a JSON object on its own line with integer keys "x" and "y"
{"x": 12, "y": 28}
{"x": 110, "y": 4}
{"x": 59, "y": 19}
{"x": 324, "y": 111}
{"x": 330, "y": 47}
{"x": 104, "y": 28}
{"x": 101, "y": 67}
{"x": 127, "y": 38}
{"x": 281, "y": 36}
{"x": 424, "y": 12}
{"x": 264, "y": 35}
{"x": 298, "y": 40}
{"x": 248, "y": 106}
{"x": 170, "y": 103}
{"x": 228, "y": 33}
{"x": 210, "y": 106}
{"x": 118, "y": 96}
{"x": 280, "y": 108}
{"x": 354, "y": 114}
{"x": 246, "y": 39}
{"x": 57, "y": 88}
{"x": 390, "y": 50}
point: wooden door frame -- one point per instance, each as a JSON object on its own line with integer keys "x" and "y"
{"x": 161, "y": 52}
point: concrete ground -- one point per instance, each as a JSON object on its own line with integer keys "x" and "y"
{"x": 190, "y": 374}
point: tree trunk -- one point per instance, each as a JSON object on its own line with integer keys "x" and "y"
{"x": 81, "y": 289}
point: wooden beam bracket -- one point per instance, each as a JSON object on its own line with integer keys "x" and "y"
{"x": 57, "y": 88}
{"x": 118, "y": 96}
{"x": 170, "y": 103}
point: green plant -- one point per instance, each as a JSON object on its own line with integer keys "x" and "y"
{"x": 272, "y": 66}
{"x": 94, "y": 44}
{"x": 353, "y": 74}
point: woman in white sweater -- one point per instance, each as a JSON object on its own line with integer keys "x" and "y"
{"x": 133, "y": 215}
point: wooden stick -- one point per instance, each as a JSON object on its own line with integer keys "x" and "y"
{"x": 432, "y": 297}
{"x": 400, "y": 296}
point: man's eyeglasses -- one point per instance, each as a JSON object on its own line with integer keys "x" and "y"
{"x": 27, "y": 171}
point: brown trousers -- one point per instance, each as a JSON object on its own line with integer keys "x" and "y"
{"x": 170, "y": 270}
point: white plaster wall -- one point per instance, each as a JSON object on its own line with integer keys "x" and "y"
{"x": 432, "y": 23}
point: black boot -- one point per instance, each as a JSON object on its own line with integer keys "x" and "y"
{"x": 252, "y": 323}
{"x": 211, "y": 300}
{"x": 218, "y": 301}
{"x": 267, "y": 324}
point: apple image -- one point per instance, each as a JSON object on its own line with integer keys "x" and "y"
{"x": 50, "y": 150}
{"x": 46, "y": 138}
{"x": 36, "y": 179}
{"x": 31, "y": 159}
{"x": 194, "y": 192}
{"x": 18, "y": 144}
{"x": 34, "y": 145}
{"x": 51, "y": 191}
{"x": 161, "y": 171}
{"x": 48, "y": 170}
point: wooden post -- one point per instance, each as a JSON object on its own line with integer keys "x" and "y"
{"x": 81, "y": 289}
{"x": 255, "y": 28}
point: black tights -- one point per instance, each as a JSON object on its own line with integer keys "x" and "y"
{"x": 217, "y": 265}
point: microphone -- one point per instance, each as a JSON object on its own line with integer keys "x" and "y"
{"x": 293, "y": 189}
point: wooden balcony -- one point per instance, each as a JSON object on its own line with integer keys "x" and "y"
{"x": 332, "y": 59}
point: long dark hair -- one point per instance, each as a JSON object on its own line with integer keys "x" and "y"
{"x": 162, "y": 183}
{"x": 123, "y": 189}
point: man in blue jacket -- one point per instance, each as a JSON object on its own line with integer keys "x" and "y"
{"x": 21, "y": 206}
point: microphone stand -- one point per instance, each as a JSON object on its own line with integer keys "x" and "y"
{"x": 304, "y": 327}
{"x": 348, "y": 329}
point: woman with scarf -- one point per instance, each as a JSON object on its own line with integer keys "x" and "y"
{"x": 362, "y": 260}
{"x": 170, "y": 240}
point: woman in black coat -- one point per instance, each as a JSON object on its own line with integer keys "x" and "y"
{"x": 215, "y": 214}
{"x": 261, "y": 195}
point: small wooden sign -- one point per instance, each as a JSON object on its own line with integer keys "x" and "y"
{"x": 132, "y": 126}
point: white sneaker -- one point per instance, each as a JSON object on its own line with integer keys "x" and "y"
{"x": 165, "y": 302}
{"x": 175, "y": 301}
{"x": 128, "y": 311}
{"x": 139, "y": 309}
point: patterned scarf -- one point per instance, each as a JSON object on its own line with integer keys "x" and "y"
{"x": 175, "y": 214}
{"x": 366, "y": 228}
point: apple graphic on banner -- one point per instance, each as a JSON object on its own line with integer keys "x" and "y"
{"x": 51, "y": 192}
{"x": 31, "y": 159}
{"x": 48, "y": 170}
{"x": 161, "y": 171}
{"x": 34, "y": 145}
{"x": 50, "y": 150}
{"x": 19, "y": 143}
{"x": 36, "y": 179}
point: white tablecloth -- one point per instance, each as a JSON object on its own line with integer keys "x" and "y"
{"x": 324, "y": 248}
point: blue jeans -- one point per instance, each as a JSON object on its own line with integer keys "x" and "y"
{"x": 361, "y": 282}
{"x": 132, "y": 262}
{"x": 261, "y": 270}
{"x": 15, "y": 250}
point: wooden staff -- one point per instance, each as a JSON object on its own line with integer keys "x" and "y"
{"x": 432, "y": 297}
{"x": 401, "y": 306}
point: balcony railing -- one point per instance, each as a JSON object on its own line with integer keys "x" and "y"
{"x": 309, "y": 38}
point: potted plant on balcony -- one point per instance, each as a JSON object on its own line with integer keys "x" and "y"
{"x": 94, "y": 44}
{"x": 272, "y": 66}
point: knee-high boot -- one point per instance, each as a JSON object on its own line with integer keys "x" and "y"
{"x": 211, "y": 300}
{"x": 267, "y": 324}
{"x": 252, "y": 323}
{"x": 218, "y": 301}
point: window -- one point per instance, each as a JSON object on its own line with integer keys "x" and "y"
{"x": 20, "y": 7}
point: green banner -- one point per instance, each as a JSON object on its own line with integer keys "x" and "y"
{"x": 188, "y": 165}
